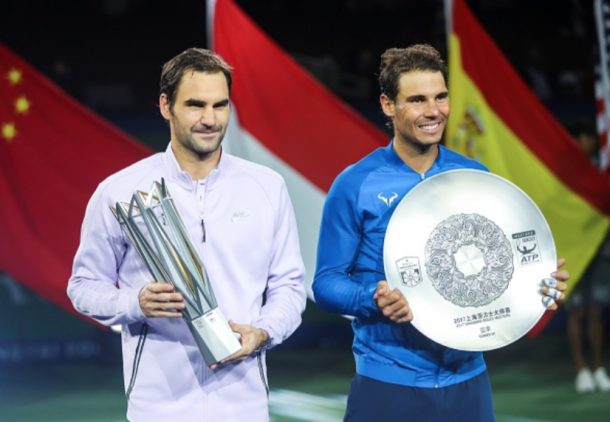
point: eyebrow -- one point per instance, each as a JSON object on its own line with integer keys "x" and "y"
{"x": 199, "y": 103}
{"x": 443, "y": 94}
{"x": 415, "y": 97}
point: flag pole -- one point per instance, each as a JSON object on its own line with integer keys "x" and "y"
{"x": 601, "y": 7}
{"x": 211, "y": 6}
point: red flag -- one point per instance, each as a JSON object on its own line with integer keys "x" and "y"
{"x": 53, "y": 154}
{"x": 284, "y": 107}
{"x": 283, "y": 118}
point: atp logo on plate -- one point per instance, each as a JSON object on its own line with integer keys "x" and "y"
{"x": 527, "y": 247}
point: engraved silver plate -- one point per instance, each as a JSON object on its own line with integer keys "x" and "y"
{"x": 469, "y": 250}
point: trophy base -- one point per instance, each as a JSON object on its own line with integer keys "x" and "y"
{"x": 214, "y": 336}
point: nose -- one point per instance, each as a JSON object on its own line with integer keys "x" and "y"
{"x": 208, "y": 116}
{"x": 432, "y": 109}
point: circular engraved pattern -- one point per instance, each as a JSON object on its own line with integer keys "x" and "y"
{"x": 476, "y": 289}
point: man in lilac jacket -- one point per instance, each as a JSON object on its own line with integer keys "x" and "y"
{"x": 242, "y": 222}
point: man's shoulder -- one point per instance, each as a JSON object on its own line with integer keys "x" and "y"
{"x": 130, "y": 176}
{"x": 361, "y": 169}
{"x": 258, "y": 172}
{"x": 456, "y": 160}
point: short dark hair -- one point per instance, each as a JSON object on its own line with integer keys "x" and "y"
{"x": 193, "y": 59}
{"x": 396, "y": 61}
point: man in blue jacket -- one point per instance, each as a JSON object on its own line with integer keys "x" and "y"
{"x": 401, "y": 374}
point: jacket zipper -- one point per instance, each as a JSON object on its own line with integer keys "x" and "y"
{"x": 201, "y": 202}
{"x": 200, "y": 198}
{"x": 136, "y": 359}
{"x": 259, "y": 357}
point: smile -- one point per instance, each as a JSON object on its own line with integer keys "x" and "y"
{"x": 433, "y": 126}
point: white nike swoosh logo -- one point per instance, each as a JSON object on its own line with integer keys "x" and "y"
{"x": 238, "y": 217}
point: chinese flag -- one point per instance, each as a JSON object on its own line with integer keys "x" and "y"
{"x": 497, "y": 119}
{"x": 53, "y": 154}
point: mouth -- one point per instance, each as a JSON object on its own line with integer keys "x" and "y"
{"x": 207, "y": 134}
{"x": 431, "y": 127}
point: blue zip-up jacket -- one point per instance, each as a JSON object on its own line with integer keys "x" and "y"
{"x": 350, "y": 264}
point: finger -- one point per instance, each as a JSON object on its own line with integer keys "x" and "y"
{"x": 164, "y": 297}
{"x": 238, "y": 328}
{"x": 550, "y": 282}
{"x": 164, "y": 314}
{"x": 553, "y": 293}
{"x": 400, "y": 313}
{"x": 159, "y": 287}
{"x": 164, "y": 305}
{"x": 406, "y": 318}
{"x": 397, "y": 308}
{"x": 561, "y": 286}
{"x": 158, "y": 309}
{"x": 385, "y": 302}
{"x": 562, "y": 275}
{"x": 549, "y": 303}
{"x": 381, "y": 291}
{"x": 561, "y": 262}
{"x": 390, "y": 298}
{"x": 237, "y": 356}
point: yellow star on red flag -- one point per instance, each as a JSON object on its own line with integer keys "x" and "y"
{"x": 14, "y": 76}
{"x": 8, "y": 131}
{"x": 22, "y": 105}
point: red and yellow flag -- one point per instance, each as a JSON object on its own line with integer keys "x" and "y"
{"x": 497, "y": 119}
{"x": 53, "y": 154}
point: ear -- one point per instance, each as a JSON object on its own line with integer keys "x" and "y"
{"x": 388, "y": 106}
{"x": 164, "y": 106}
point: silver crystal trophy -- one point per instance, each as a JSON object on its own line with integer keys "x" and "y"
{"x": 173, "y": 258}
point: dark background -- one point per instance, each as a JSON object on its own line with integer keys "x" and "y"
{"x": 109, "y": 53}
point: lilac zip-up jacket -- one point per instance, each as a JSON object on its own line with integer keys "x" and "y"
{"x": 242, "y": 222}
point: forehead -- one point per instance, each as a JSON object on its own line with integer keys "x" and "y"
{"x": 203, "y": 85}
{"x": 420, "y": 82}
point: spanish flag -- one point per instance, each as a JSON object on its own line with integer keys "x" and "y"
{"x": 496, "y": 119}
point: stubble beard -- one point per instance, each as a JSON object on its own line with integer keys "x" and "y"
{"x": 421, "y": 146}
{"x": 202, "y": 150}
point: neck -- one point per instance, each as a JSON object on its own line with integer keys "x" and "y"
{"x": 419, "y": 157}
{"x": 198, "y": 166}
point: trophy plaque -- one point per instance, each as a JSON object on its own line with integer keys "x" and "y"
{"x": 469, "y": 251}
{"x": 170, "y": 255}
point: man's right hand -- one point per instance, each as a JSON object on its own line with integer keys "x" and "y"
{"x": 158, "y": 300}
{"x": 392, "y": 304}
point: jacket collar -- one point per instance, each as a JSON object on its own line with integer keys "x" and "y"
{"x": 182, "y": 178}
{"x": 395, "y": 161}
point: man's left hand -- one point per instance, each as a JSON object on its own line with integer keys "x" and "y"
{"x": 251, "y": 339}
{"x": 555, "y": 293}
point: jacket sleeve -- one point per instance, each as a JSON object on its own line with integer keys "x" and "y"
{"x": 285, "y": 294}
{"x": 93, "y": 286}
{"x": 337, "y": 287}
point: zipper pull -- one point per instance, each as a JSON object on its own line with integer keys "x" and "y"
{"x": 203, "y": 229}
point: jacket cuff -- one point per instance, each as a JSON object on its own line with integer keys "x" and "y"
{"x": 367, "y": 306}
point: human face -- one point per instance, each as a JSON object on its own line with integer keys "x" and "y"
{"x": 419, "y": 113}
{"x": 200, "y": 115}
